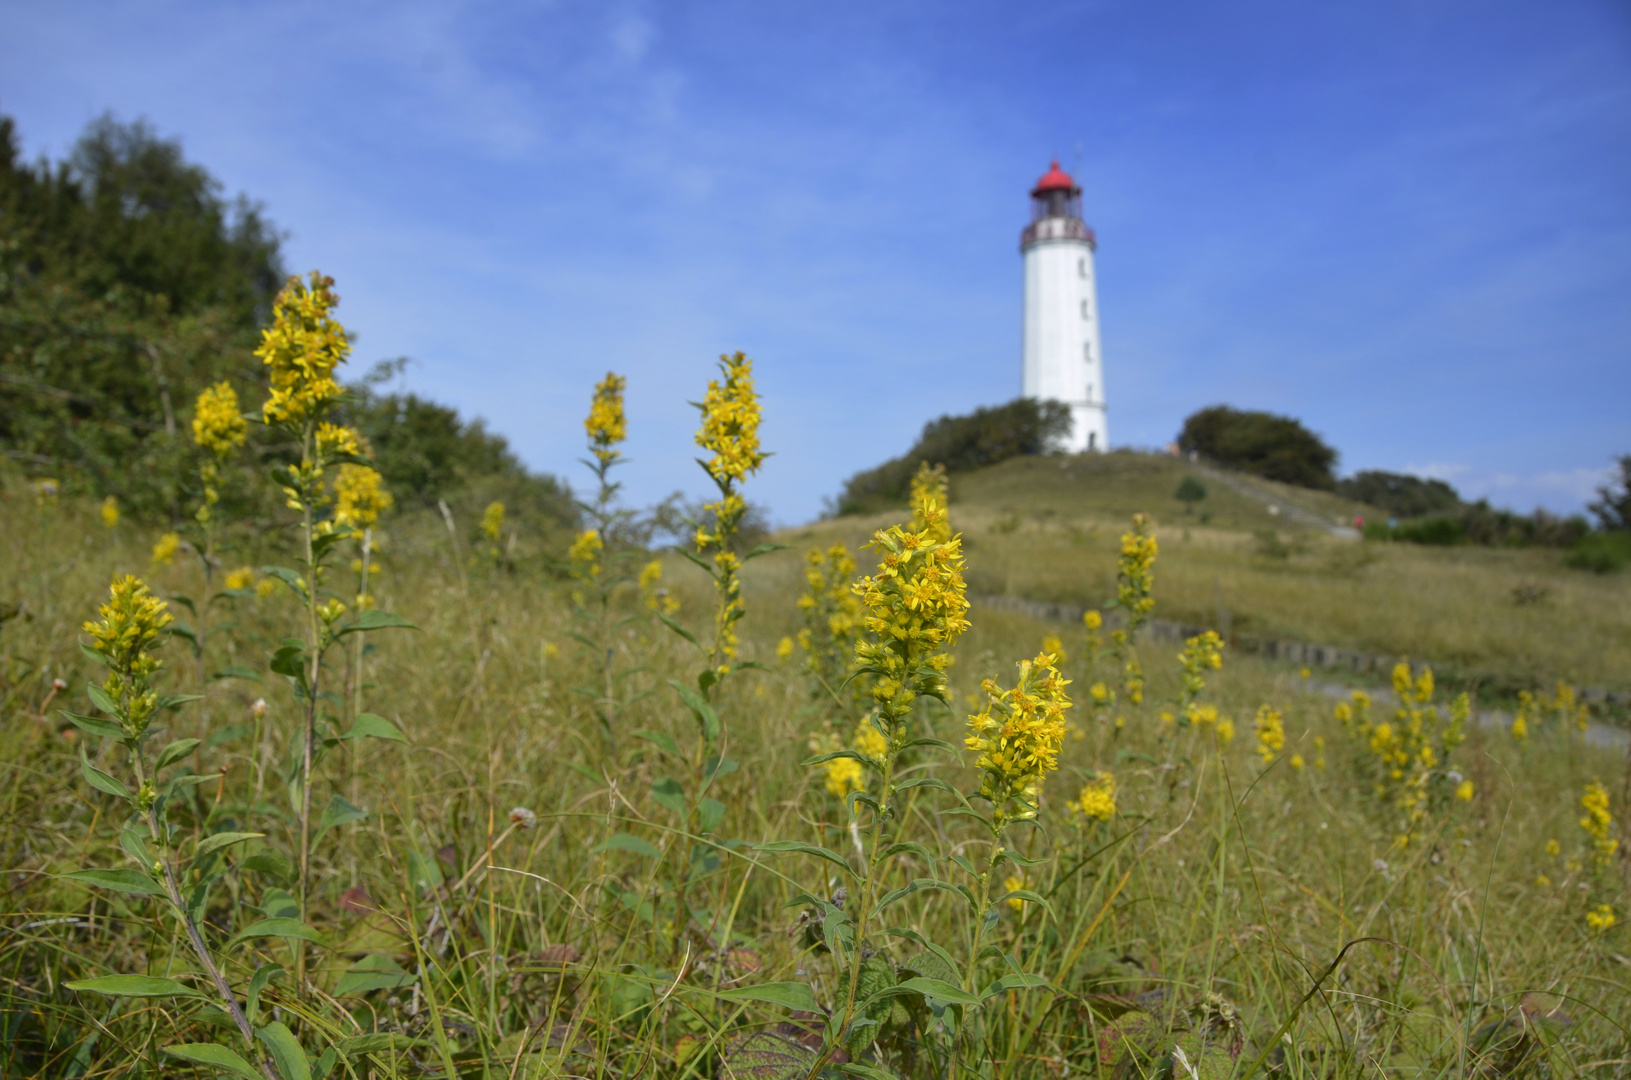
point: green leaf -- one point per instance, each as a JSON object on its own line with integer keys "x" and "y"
{"x": 937, "y": 744}
{"x": 134, "y": 986}
{"x": 930, "y": 782}
{"x": 325, "y": 1064}
{"x": 700, "y": 709}
{"x": 937, "y": 990}
{"x": 95, "y": 725}
{"x": 175, "y": 752}
{"x": 669, "y": 792}
{"x": 236, "y": 672}
{"x": 710, "y": 812}
{"x": 279, "y": 928}
{"x": 125, "y": 881}
{"x": 374, "y": 619}
{"x": 135, "y": 844}
{"x": 286, "y": 1051}
{"x": 99, "y": 697}
{"x": 807, "y": 849}
{"x": 791, "y": 995}
{"x": 662, "y": 740}
{"x": 288, "y": 577}
{"x": 339, "y": 811}
{"x": 100, "y": 780}
{"x": 370, "y": 726}
{"x": 289, "y": 660}
{"x": 911, "y": 847}
{"x": 176, "y": 701}
{"x": 373, "y": 972}
{"x": 257, "y": 983}
{"x": 214, "y": 1056}
{"x": 864, "y": 1071}
{"x": 270, "y": 862}
{"x": 918, "y": 885}
{"x": 763, "y": 549}
{"x": 1014, "y": 981}
{"x": 223, "y": 840}
{"x": 625, "y": 842}
{"x": 1028, "y": 896}
{"x": 94, "y": 656}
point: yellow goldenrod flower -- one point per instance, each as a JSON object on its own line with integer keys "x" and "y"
{"x": 585, "y": 553}
{"x": 1553, "y": 848}
{"x": 1543, "y": 881}
{"x": 1297, "y": 761}
{"x": 870, "y": 742}
{"x": 1463, "y": 791}
{"x": 784, "y": 648}
{"x": 1054, "y": 647}
{"x": 1013, "y": 883}
{"x": 1098, "y": 798}
{"x": 1135, "y": 570}
{"x": 843, "y": 775}
{"x": 1597, "y": 823}
{"x": 302, "y": 347}
{"x": 359, "y": 496}
{"x": 110, "y": 512}
{"x": 730, "y": 422}
{"x": 1017, "y": 737}
{"x": 1271, "y": 732}
{"x": 1525, "y": 712}
{"x": 492, "y": 521}
{"x": 265, "y": 587}
{"x": 915, "y": 605}
{"x": 1091, "y": 621}
{"x": 125, "y": 636}
{"x": 931, "y": 484}
{"x": 1601, "y": 918}
{"x": 334, "y": 440}
{"x": 1319, "y": 752}
{"x": 241, "y": 578}
{"x": 605, "y": 423}
{"x": 1304, "y": 673}
{"x": 1202, "y": 653}
{"x": 165, "y": 551}
{"x": 1226, "y": 730}
{"x": 218, "y": 423}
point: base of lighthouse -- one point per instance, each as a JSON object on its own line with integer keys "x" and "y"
{"x": 1089, "y": 430}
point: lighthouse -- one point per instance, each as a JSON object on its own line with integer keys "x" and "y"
{"x": 1061, "y": 355}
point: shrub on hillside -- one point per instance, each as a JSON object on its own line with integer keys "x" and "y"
{"x": 1024, "y": 426}
{"x": 1274, "y": 447}
{"x": 1600, "y": 552}
{"x": 1479, "y": 523}
{"x": 1613, "y": 505}
{"x": 1399, "y": 494}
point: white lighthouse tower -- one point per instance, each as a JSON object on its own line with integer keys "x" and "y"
{"x": 1061, "y": 345}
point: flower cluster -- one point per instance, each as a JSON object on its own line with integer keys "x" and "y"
{"x": 1206, "y": 716}
{"x": 1017, "y": 737}
{"x": 124, "y": 638}
{"x": 1135, "y": 571}
{"x": 1410, "y": 752}
{"x": 1597, "y": 823}
{"x": 832, "y": 613}
{"x": 1601, "y": 918}
{"x": 605, "y": 423}
{"x": 165, "y": 551}
{"x": 1202, "y": 653}
{"x": 302, "y": 347}
{"x": 585, "y": 553}
{"x": 843, "y": 774}
{"x": 915, "y": 606}
{"x": 1098, "y": 798}
{"x": 218, "y": 425}
{"x": 730, "y": 422}
{"x": 359, "y": 496}
{"x": 492, "y": 520}
{"x": 336, "y": 441}
{"x": 1271, "y": 732}
{"x": 930, "y": 484}
{"x": 1091, "y": 622}
{"x": 653, "y": 592}
{"x": 110, "y": 512}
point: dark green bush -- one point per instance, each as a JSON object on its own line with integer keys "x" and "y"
{"x": 1600, "y": 552}
{"x": 1401, "y": 495}
{"x": 1273, "y": 447}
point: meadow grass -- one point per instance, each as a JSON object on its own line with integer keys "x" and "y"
{"x": 1196, "y": 929}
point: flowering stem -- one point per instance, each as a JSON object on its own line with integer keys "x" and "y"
{"x": 314, "y": 673}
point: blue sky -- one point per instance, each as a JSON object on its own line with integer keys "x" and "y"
{"x": 1406, "y": 223}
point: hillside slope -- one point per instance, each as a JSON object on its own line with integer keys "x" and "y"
{"x": 1048, "y": 529}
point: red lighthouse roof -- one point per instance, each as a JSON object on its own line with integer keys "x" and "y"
{"x": 1055, "y": 179}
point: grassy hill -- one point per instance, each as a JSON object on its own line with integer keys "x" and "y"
{"x": 1047, "y": 528}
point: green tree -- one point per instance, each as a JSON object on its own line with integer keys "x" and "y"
{"x": 1402, "y": 496}
{"x": 1613, "y": 505}
{"x": 1024, "y": 426}
{"x": 1190, "y": 491}
{"x": 1274, "y": 447}
{"x": 127, "y": 284}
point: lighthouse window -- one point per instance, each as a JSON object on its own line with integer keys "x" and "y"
{"x": 1081, "y": 267}
{"x": 1087, "y": 352}
{"x": 1085, "y": 314}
